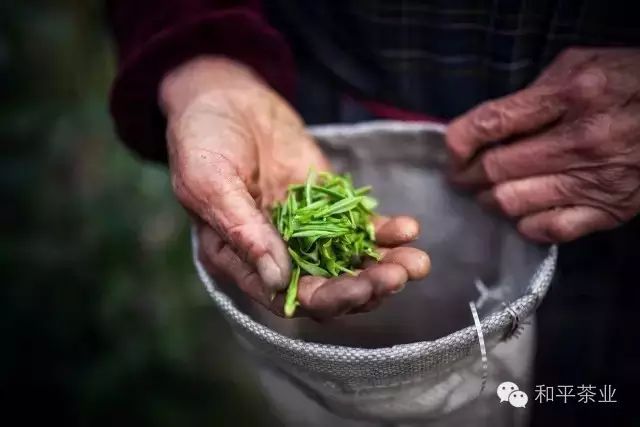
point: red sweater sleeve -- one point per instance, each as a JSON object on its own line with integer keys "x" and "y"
{"x": 154, "y": 36}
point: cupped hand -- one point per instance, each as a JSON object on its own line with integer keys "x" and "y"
{"x": 234, "y": 147}
{"x": 563, "y": 155}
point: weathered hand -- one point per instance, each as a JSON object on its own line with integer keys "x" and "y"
{"x": 563, "y": 155}
{"x": 234, "y": 147}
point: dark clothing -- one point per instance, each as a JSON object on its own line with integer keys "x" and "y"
{"x": 438, "y": 58}
{"x": 443, "y": 57}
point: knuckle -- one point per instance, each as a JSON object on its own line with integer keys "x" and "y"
{"x": 589, "y": 84}
{"x": 489, "y": 120}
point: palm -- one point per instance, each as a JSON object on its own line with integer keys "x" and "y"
{"x": 234, "y": 150}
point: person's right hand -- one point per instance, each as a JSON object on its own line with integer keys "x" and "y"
{"x": 234, "y": 147}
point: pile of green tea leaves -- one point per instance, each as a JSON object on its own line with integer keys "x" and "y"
{"x": 326, "y": 223}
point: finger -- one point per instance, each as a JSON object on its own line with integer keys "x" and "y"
{"x": 582, "y": 143}
{"x": 323, "y": 299}
{"x": 220, "y": 259}
{"x": 520, "y": 113}
{"x": 307, "y": 287}
{"x": 386, "y": 278}
{"x": 396, "y": 230}
{"x": 208, "y": 184}
{"x": 565, "y": 224}
{"x": 415, "y": 262}
{"x": 530, "y": 195}
{"x": 548, "y": 153}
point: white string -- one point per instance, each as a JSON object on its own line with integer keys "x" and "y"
{"x": 483, "y": 349}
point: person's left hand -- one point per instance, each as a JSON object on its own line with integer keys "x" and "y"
{"x": 563, "y": 155}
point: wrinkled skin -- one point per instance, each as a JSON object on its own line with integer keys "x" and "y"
{"x": 234, "y": 146}
{"x": 563, "y": 155}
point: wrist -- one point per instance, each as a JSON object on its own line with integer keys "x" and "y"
{"x": 215, "y": 79}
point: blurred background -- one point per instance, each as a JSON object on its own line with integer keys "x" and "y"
{"x": 102, "y": 319}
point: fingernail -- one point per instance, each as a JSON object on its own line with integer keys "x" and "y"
{"x": 270, "y": 273}
{"x": 273, "y": 296}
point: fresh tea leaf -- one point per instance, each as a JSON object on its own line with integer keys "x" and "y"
{"x": 326, "y": 223}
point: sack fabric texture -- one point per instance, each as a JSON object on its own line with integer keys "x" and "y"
{"x": 417, "y": 357}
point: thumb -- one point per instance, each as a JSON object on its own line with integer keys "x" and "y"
{"x": 208, "y": 184}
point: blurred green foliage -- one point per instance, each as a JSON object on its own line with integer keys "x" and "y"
{"x": 102, "y": 319}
